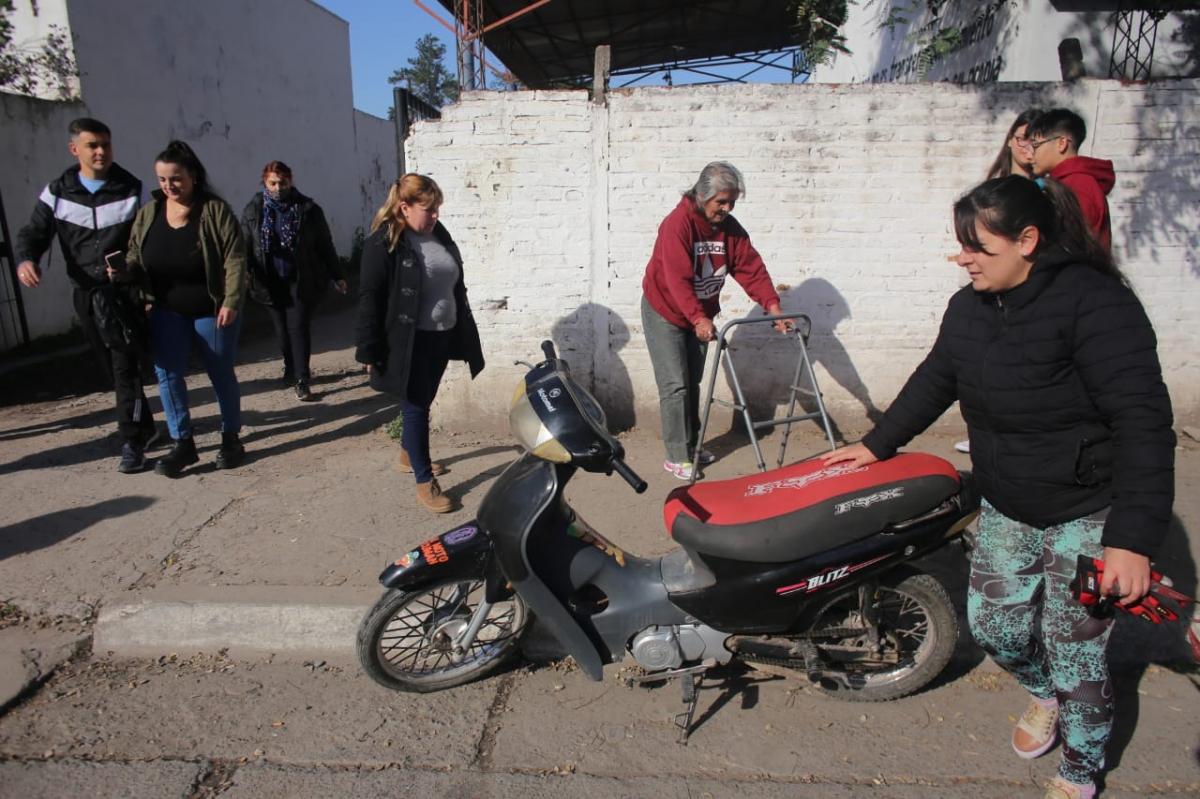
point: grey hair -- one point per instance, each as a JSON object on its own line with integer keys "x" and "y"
{"x": 717, "y": 177}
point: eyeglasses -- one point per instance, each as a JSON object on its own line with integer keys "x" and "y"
{"x": 1033, "y": 145}
{"x": 1021, "y": 141}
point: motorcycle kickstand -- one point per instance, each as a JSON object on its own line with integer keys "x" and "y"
{"x": 683, "y": 720}
{"x": 690, "y": 679}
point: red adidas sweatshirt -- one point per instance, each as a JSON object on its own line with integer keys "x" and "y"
{"x": 690, "y": 262}
{"x": 1090, "y": 179}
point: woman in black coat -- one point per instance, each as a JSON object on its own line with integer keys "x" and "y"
{"x": 413, "y": 318}
{"x": 292, "y": 261}
{"x": 1055, "y": 366}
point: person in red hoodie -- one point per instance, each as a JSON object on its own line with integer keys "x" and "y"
{"x": 1056, "y": 137}
{"x": 699, "y": 244}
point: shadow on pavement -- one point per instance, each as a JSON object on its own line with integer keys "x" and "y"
{"x": 50, "y": 528}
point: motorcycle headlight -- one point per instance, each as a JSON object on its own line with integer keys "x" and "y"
{"x": 529, "y": 430}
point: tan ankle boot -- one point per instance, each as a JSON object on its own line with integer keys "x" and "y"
{"x": 430, "y": 495}
{"x": 404, "y": 465}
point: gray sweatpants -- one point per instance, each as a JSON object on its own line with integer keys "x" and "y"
{"x": 678, "y": 360}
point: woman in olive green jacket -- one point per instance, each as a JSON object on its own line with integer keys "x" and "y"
{"x": 186, "y": 249}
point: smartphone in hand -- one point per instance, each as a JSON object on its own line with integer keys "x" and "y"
{"x": 117, "y": 268}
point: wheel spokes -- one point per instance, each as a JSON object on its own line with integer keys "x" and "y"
{"x": 419, "y": 636}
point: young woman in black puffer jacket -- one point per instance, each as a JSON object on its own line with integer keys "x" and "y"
{"x": 1055, "y": 366}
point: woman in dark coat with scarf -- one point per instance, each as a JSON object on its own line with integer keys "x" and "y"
{"x": 1055, "y": 367}
{"x": 292, "y": 261}
{"x": 413, "y": 318}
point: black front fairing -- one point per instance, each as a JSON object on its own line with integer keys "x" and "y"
{"x": 521, "y": 505}
{"x": 571, "y": 415}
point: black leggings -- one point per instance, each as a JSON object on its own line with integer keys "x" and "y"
{"x": 293, "y": 335}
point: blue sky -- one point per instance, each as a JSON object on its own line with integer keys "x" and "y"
{"x": 383, "y": 34}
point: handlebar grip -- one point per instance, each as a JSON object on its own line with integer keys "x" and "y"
{"x": 629, "y": 475}
{"x": 548, "y": 350}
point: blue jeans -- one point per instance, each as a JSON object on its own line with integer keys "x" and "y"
{"x": 430, "y": 355}
{"x": 173, "y": 336}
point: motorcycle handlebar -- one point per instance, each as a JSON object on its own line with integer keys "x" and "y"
{"x": 548, "y": 350}
{"x": 629, "y": 475}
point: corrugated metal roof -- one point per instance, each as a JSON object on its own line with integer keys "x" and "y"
{"x": 555, "y": 44}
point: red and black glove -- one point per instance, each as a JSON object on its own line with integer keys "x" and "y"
{"x": 1089, "y": 573}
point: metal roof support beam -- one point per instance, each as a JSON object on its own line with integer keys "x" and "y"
{"x": 501, "y": 22}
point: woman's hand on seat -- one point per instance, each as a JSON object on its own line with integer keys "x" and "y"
{"x": 854, "y": 454}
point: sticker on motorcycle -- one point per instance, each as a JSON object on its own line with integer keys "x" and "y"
{"x": 456, "y": 537}
{"x": 434, "y": 553}
{"x": 825, "y": 578}
{"x": 408, "y": 560}
{"x": 580, "y": 529}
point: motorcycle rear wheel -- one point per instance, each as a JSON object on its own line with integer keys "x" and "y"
{"x": 916, "y": 620}
{"x": 406, "y": 640}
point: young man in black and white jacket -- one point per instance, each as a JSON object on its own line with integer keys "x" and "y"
{"x": 90, "y": 207}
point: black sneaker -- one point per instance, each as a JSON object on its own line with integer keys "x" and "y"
{"x": 232, "y": 453}
{"x": 133, "y": 460}
{"x": 183, "y": 454}
{"x": 303, "y": 392}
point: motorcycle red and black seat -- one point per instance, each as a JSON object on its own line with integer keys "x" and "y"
{"x": 790, "y": 513}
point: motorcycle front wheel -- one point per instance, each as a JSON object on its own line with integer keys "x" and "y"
{"x": 407, "y": 641}
{"x": 918, "y": 632}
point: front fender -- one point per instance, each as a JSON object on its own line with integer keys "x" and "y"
{"x": 460, "y": 554}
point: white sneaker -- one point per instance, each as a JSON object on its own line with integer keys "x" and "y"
{"x": 963, "y": 446}
{"x": 1038, "y": 729}
{"x": 682, "y": 470}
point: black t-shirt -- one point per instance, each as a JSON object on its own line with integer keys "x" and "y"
{"x": 175, "y": 264}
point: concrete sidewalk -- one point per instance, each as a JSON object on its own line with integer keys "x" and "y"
{"x": 263, "y": 571}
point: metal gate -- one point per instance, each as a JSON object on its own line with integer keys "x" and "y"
{"x": 408, "y": 108}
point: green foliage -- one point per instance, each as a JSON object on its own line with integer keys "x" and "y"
{"x": 51, "y": 65}
{"x": 395, "y": 428}
{"x": 426, "y": 75}
{"x": 818, "y": 29}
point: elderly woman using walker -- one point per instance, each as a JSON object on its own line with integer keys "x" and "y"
{"x": 1055, "y": 367}
{"x": 699, "y": 244}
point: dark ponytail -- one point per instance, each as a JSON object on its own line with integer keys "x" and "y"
{"x": 182, "y": 155}
{"x": 1006, "y": 206}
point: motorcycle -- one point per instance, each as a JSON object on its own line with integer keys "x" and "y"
{"x": 805, "y": 569}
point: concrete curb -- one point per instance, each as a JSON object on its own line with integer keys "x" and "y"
{"x": 288, "y": 622}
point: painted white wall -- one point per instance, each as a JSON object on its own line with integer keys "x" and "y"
{"x": 555, "y": 203}
{"x": 1014, "y": 41}
{"x": 32, "y": 21}
{"x": 242, "y": 83}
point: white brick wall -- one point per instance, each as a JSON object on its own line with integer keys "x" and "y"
{"x": 556, "y": 202}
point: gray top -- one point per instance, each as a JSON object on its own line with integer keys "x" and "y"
{"x": 439, "y": 273}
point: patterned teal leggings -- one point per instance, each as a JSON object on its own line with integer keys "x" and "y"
{"x": 1017, "y": 571}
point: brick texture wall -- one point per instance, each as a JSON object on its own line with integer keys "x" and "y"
{"x": 555, "y": 202}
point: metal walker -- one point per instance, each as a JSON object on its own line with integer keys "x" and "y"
{"x": 799, "y": 333}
